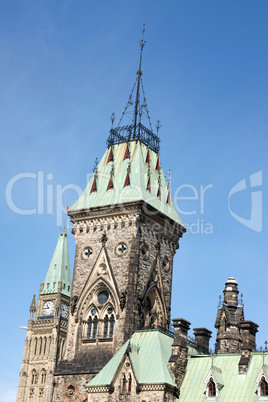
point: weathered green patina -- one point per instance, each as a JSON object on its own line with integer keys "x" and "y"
{"x": 59, "y": 269}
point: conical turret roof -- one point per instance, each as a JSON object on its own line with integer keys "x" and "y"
{"x": 59, "y": 269}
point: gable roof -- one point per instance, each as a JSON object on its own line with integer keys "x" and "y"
{"x": 149, "y": 355}
{"x": 139, "y": 172}
{"x": 239, "y": 387}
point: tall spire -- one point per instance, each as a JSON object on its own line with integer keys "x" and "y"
{"x": 59, "y": 269}
{"x": 139, "y": 74}
{"x": 136, "y": 130}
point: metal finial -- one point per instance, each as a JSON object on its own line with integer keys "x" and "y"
{"x": 95, "y": 165}
{"x": 169, "y": 179}
{"x": 219, "y": 305}
{"x": 157, "y": 126}
{"x": 139, "y": 74}
{"x": 112, "y": 119}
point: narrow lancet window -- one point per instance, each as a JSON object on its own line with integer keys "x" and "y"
{"x": 89, "y": 327}
{"x": 110, "y": 184}
{"x": 95, "y": 327}
{"x": 168, "y": 197}
{"x": 111, "y": 333}
{"x": 127, "y": 180}
{"x": 263, "y": 387}
{"x": 111, "y": 156}
{"x": 106, "y": 323}
{"x": 94, "y": 186}
{"x": 129, "y": 383}
{"x": 211, "y": 388}
{"x": 126, "y": 156}
{"x": 124, "y": 384}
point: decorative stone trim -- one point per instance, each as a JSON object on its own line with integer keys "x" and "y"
{"x": 121, "y": 249}
{"x": 96, "y": 389}
{"x": 66, "y": 394}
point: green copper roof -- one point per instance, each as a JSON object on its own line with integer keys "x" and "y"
{"x": 233, "y": 386}
{"x": 140, "y": 169}
{"x": 59, "y": 269}
{"x": 150, "y": 352}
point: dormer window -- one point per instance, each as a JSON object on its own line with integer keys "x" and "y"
{"x": 211, "y": 388}
{"x": 263, "y": 387}
{"x": 213, "y": 382}
{"x": 94, "y": 186}
{"x": 262, "y": 383}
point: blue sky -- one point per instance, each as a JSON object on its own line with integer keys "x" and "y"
{"x": 65, "y": 67}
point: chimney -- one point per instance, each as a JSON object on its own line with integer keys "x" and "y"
{"x": 248, "y": 330}
{"x": 178, "y": 359}
{"x": 202, "y": 337}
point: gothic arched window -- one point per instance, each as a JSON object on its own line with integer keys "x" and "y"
{"x": 211, "y": 388}
{"x": 95, "y": 327}
{"x": 263, "y": 387}
{"x": 45, "y": 345}
{"x": 129, "y": 383}
{"x": 89, "y": 327}
{"x": 43, "y": 376}
{"x": 34, "y": 377}
{"x": 111, "y": 333}
{"x": 106, "y": 324}
{"x": 124, "y": 384}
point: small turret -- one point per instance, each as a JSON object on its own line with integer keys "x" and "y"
{"x": 234, "y": 334}
{"x": 59, "y": 269}
{"x": 32, "y": 309}
{"x": 231, "y": 293}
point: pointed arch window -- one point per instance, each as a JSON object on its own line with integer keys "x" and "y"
{"x": 127, "y": 180}
{"x": 129, "y": 383}
{"x": 168, "y": 197}
{"x": 111, "y": 332}
{"x": 34, "y": 377}
{"x": 127, "y": 155}
{"x": 89, "y": 327}
{"x": 124, "y": 384}
{"x": 35, "y": 346}
{"x": 263, "y": 387}
{"x": 95, "y": 327}
{"x": 43, "y": 376}
{"x": 111, "y": 156}
{"x": 110, "y": 184}
{"x": 211, "y": 388}
{"x": 45, "y": 345}
{"x": 106, "y": 325}
{"x": 94, "y": 186}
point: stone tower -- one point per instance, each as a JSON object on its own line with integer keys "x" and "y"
{"x": 46, "y": 330}
{"x": 234, "y": 334}
{"x": 126, "y": 231}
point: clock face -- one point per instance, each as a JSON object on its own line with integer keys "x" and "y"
{"x": 48, "y": 307}
{"x": 64, "y": 310}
